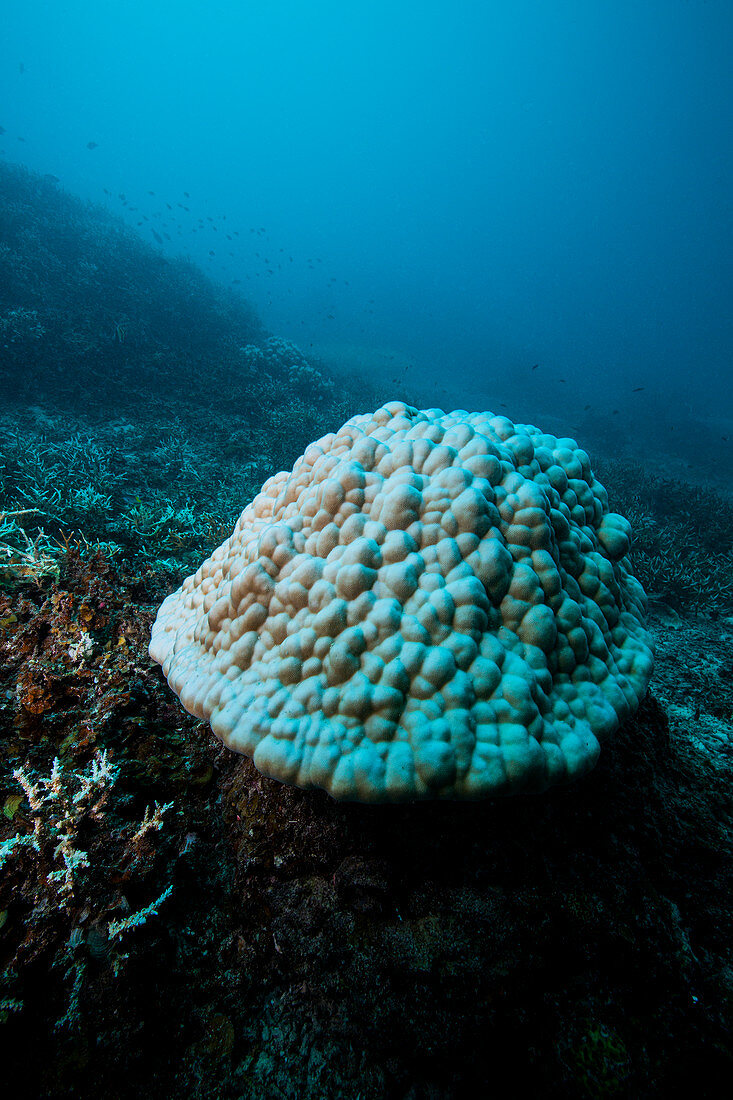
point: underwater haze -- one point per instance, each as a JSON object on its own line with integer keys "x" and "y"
{"x": 518, "y": 204}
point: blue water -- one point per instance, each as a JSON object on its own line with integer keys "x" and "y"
{"x": 460, "y": 191}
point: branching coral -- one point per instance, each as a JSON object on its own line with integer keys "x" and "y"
{"x": 24, "y": 559}
{"x": 63, "y": 805}
{"x": 59, "y": 804}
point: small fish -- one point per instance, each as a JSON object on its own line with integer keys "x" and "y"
{"x": 152, "y": 193}
{"x": 211, "y": 252}
{"x": 536, "y": 365}
{"x": 92, "y": 145}
{"x": 585, "y": 408}
{"x": 2, "y": 130}
{"x": 615, "y": 412}
{"x": 638, "y": 389}
{"x": 186, "y": 195}
{"x": 169, "y": 206}
{"x": 121, "y": 196}
{"x": 157, "y": 236}
{"x": 51, "y": 178}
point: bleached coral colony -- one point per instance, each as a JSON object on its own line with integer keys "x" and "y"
{"x": 428, "y": 605}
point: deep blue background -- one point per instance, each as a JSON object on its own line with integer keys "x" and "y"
{"x": 461, "y": 189}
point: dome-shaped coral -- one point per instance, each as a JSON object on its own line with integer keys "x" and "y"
{"x": 429, "y": 605}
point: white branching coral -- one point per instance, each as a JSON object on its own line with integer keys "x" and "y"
{"x": 429, "y": 605}
{"x": 23, "y": 558}
{"x": 59, "y": 803}
{"x": 15, "y": 843}
{"x": 62, "y": 804}
{"x": 152, "y": 821}
{"x": 135, "y": 920}
{"x": 81, "y": 648}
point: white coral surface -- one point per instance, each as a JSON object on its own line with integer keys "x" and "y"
{"x": 430, "y": 605}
